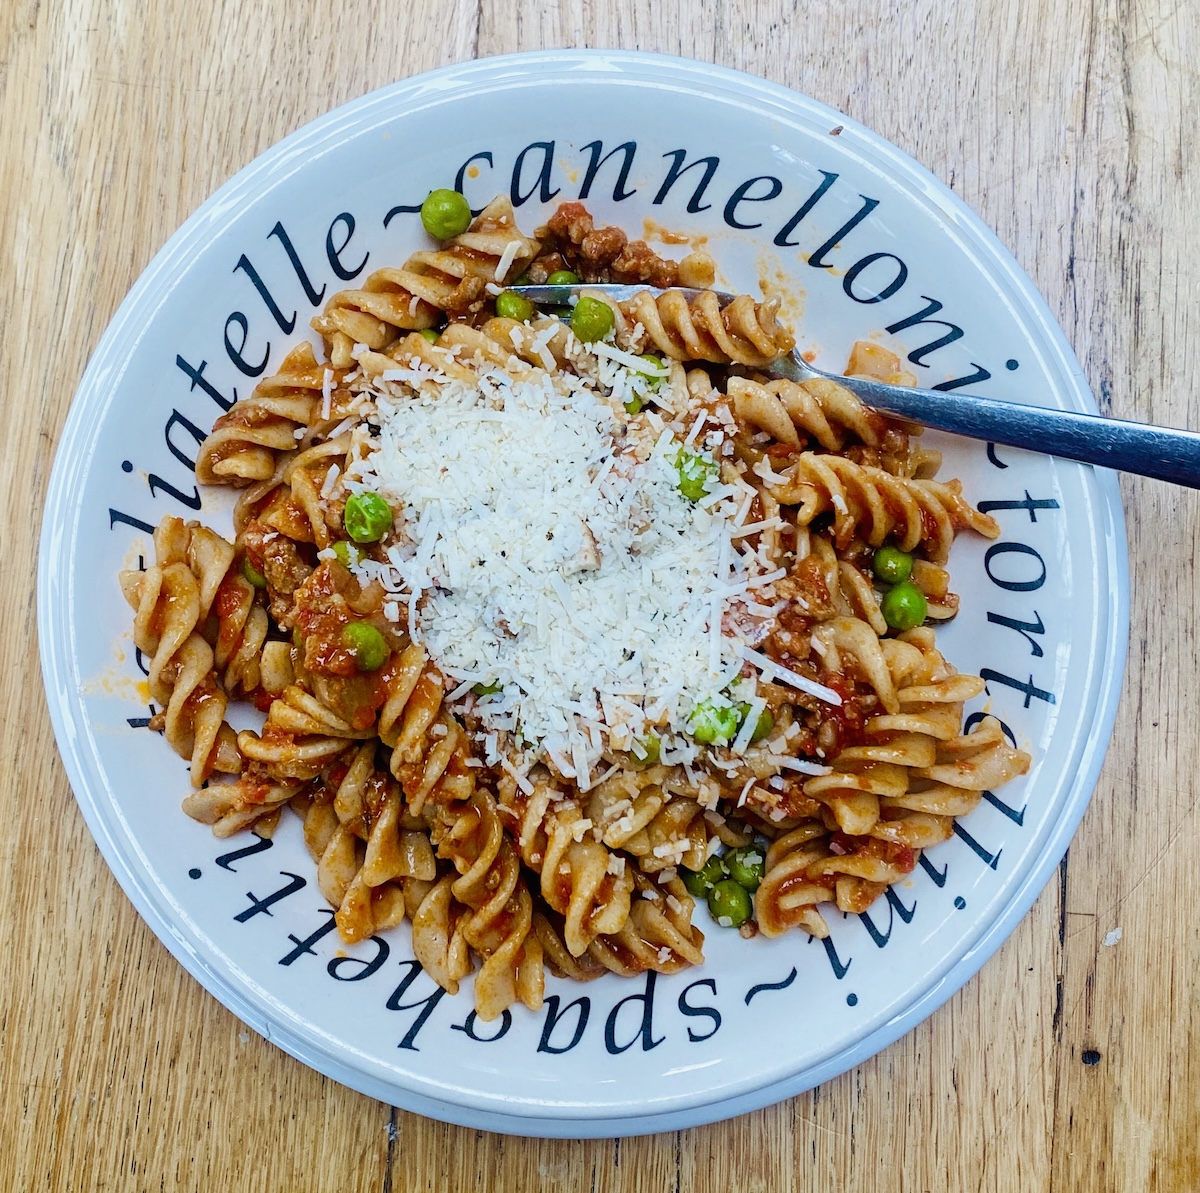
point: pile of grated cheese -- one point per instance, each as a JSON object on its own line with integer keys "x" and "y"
{"x": 546, "y": 552}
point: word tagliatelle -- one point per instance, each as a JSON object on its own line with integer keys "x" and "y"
{"x": 563, "y": 622}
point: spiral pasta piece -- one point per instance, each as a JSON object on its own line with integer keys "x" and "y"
{"x": 452, "y": 279}
{"x": 231, "y": 617}
{"x": 788, "y": 895}
{"x": 593, "y": 887}
{"x": 922, "y": 697}
{"x": 676, "y": 834}
{"x": 847, "y": 636}
{"x": 542, "y": 342}
{"x": 580, "y": 878}
{"x": 247, "y": 802}
{"x": 429, "y": 749}
{"x": 242, "y": 626}
{"x": 365, "y": 845}
{"x": 818, "y": 409}
{"x": 438, "y": 935}
{"x": 821, "y": 413}
{"x": 823, "y": 585}
{"x": 300, "y": 738}
{"x": 897, "y": 792}
{"x": 469, "y": 833}
{"x": 169, "y": 601}
{"x": 246, "y": 441}
{"x": 658, "y": 934}
{"x": 488, "y": 345}
{"x": 744, "y": 332}
{"x": 876, "y": 505}
{"x": 293, "y": 501}
{"x": 558, "y": 959}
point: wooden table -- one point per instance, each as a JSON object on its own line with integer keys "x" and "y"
{"x": 1065, "y": 1064}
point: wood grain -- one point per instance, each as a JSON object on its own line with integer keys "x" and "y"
{"x": 1066, "y": 1064}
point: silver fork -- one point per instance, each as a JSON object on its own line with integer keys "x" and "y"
{"x": 1163, "y": 453}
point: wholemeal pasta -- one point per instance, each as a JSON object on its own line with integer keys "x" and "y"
{"x": 555, "y": 633}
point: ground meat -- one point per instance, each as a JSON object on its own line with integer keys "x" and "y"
{"x": 277, "y": 557}
{"x": 321, "y": 613}
{"x": 785, "y": 803}
{"x": 638, "y": 262}
{"x": 600, "y": 254}
{"x": 807, "y": 593}
{"x": 544, "y": 266}
{"x": 325, "y": 604}
{"x": 602, "y": 246}
{"x": 468, "y": 295}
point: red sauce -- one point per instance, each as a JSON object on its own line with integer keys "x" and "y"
{"x": 892, "y": 853}
{"x": 321, "y": 613}
{"x": 849, "y": 717}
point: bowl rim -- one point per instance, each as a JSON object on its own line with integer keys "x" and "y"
{"x": 157, "y": 281}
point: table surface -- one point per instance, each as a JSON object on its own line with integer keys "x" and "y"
{"x": 1065, "y": 1064}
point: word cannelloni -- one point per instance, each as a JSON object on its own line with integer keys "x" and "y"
{"x": 564, "y": 622}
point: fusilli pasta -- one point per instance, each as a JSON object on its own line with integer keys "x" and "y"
{"x": 804, "y": 731}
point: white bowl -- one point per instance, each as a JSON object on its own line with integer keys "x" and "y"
{"x": 787, "y": 192}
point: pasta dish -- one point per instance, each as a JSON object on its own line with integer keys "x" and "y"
{"x": 564, "y": 624}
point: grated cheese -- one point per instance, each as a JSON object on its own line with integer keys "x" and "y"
{"x": 749, "y": 724}
{"x": 326, "y": 393}
{"x": 521, "y": 781}
{"x": 787, "y": 762}
{"x": 507, "y": 258}
{"x": 545, "y": 547}
{"x": 772, "y": 669}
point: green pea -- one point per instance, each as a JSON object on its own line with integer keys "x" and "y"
{"x": 647, "y": 751}
{"x": 523, "y": 280}
{"x": 367, "y": 518}
{"x": 430, "y": 334}
{"x": 654, "y": 366}
{"x": 729, "y": 904}
{"x": 513, "y": 306}
{"x": 368, "y": 646}
{"x": 891, "y": 565}
{"x": 651, "y": 383}
{"x": 904, "y": 606}
{"x": 764, "y": 724}
{"x": 445, "y": 213}
{"x": 592, "y": 319}
{"x": 746, "y": 865}
{"x": 488, "y": 689}
{"x": 700, "y": 882}
{"x": 563, "y": 277}
{"x": 712, "y": 724}
{"x": 696, "y": 474}
{"x": 252, "y": 573}
{"x": 347, "y": 554}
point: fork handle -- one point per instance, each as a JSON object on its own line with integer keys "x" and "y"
{"x": 1164, "y": 453}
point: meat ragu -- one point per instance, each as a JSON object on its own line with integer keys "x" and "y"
{"x": 545, "y": 750}
{"x": 571, "y": 240}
